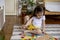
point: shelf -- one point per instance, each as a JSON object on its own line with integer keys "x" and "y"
{"x": 52, "y": 13}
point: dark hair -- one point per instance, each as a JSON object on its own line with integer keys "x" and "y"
{"x": 38, "y": 9}
{"x": 29, "y": 13}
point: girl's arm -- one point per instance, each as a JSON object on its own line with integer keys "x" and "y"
{"x": 26, "y": 18}
{"x": 43, "y": 25}
{"x": 29, "y": 22}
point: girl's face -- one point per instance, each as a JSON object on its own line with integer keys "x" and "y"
{"x": 39, "y": 14}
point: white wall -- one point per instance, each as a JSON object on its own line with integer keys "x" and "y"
{"x": 52, "y": 6}
{"x": 10, "y": 7}
{"x": 1, "y": 2}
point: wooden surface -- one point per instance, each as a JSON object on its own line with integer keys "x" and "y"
{"x": 51, "y": 20}
{"x": 52, "y": 13}
{"x": 52, "y": 0}
{"x": 8, "y": 27}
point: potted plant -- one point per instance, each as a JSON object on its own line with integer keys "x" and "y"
{"x": 31, "y": 5}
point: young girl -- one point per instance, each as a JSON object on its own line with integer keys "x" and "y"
{"x": 37, "y": 23}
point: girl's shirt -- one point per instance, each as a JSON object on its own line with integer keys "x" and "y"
{"x": 38, "y": 22}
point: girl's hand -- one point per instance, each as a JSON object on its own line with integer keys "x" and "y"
{"x": 24, "y": 27}
{"x": 44, "y": 32}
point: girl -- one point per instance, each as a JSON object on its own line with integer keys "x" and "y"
{"x": 37, "y": 23}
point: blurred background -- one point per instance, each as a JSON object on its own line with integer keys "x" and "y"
{"x": 12, "y": 13}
